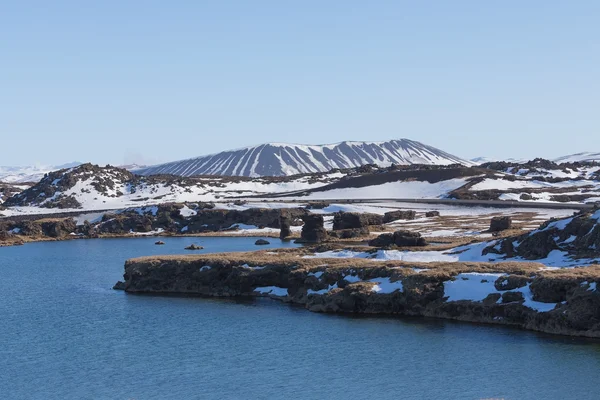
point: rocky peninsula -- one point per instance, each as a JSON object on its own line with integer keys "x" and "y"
{"x": 522, "y": 294}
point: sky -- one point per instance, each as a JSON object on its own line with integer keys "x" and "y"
{"x": 152, "y": 81}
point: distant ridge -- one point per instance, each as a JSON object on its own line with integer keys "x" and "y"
{"x": 30, "y": 173}
{"x": 280, "y": 159}
{"x": 578, "y": 157}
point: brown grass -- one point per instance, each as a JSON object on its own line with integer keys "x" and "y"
{"x": 293, "y": 258}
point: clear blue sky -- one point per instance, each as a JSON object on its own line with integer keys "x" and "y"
{"x": 120, "y": 81}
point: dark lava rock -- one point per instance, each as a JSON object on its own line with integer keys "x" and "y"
{"x": 511, "y": 297}
{"x": 120, "y": 285}
{"x": 491, "y": 298}
{"x": 347, "y": 220}
{"x": 261, "y": 242}
{"x": 430, "y": 214}
{"x": 498, "y": 224}
{"x": 349, "y": 233}
{"x": 206, "y": 206}
{"x": 317, "y": 205}
{"x": 313, "y": 230}
{"x": 383, "y": 240}
{"x": 399, "y": 238}
{"x": 160, "y": 242}
{"x": 408, "y": 238}
{"x": 526, "y": 196}
{"x": 194, "y": 247}
{"x": 400, "y": 214}
{"x": 285, "y": 223}
{"x": 54, "y": 228}
{"x": 510, "y": 282}
{"x": 537, "y": 245}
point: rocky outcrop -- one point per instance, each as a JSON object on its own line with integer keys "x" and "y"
{"x": 55, "y": 228}
{"x": 401, "y": 238}
{"x": 317, "y": 205}
{"x": 575, "y": 237}
{"x": 349, "y": 233}
{"x": 349, "y": 220}
{"x": 171, "y": 219}
{"x": 553, "y": 302}
{"x": 262, "y": 242}
{"x": 430, "y": 214}
{"x": 217, "y": 220}
{"x": 313, "y": 230}
{"x": 49, "y": 191}
{"x": 498, "y": 224}
{"x": 285, "y": 222}
{"x": 391, "y": 216}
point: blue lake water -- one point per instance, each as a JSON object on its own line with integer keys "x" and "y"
{"x": 65, "y": 334}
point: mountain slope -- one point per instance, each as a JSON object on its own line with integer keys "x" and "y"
{"x": 280, "y": 159}
{"x": 90, "y": 187}
{"x": 578, "y": 157}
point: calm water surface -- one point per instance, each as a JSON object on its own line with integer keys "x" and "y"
{"x": 64, "y": 334}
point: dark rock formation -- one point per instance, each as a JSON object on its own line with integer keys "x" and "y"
{"x": 166, "y": 218}
{"x": 317, "y": 205}
{"x": 383, "y": 240}
{"x": 313, "y": 230}
{"x": 262, "y": 242}
{"x": 349, "y": 233}
{"x": 498, "y": 224}
{"x": 577, "y": 237}
{"x": 511, "y": 282}
{"x": 348, "y": 220}
{"x": 194, "y": 247}
{"x": 430, "y": 214}
{"x": 401, "y": 238}
{"x": 510, "y": 297}
{"x": 285, "y": 223}
{"x": 391, "y": 216}
{"x": 160, "y": 242}
{"x": 408, "y": 238}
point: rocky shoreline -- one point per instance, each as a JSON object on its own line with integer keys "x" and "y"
{"x": 525, "y": 295}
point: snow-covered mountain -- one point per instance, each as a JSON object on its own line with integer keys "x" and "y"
{"x": 29, "y": 173}
{"x": 280, "y": 159}
{"x": 578, "y": 157}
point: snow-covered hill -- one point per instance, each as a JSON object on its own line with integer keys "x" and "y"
{"x": 90, "y": 187}
{"x": 579, "y": 157}
{"x": 29, "y": 173}
{"x": 280, "y": 159}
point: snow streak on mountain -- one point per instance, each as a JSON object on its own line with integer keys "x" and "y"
{"x": 279, "y": 159}
{"x": 578, "y": 157}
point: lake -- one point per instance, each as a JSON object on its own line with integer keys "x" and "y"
{"x": 65, "y": 334}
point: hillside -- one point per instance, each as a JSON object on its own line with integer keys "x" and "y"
{"x": 579, "y": 157}
{"x": 279, "y": 159}
{"x": 90, "y": 187}
{"x": 535, "y": 181}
